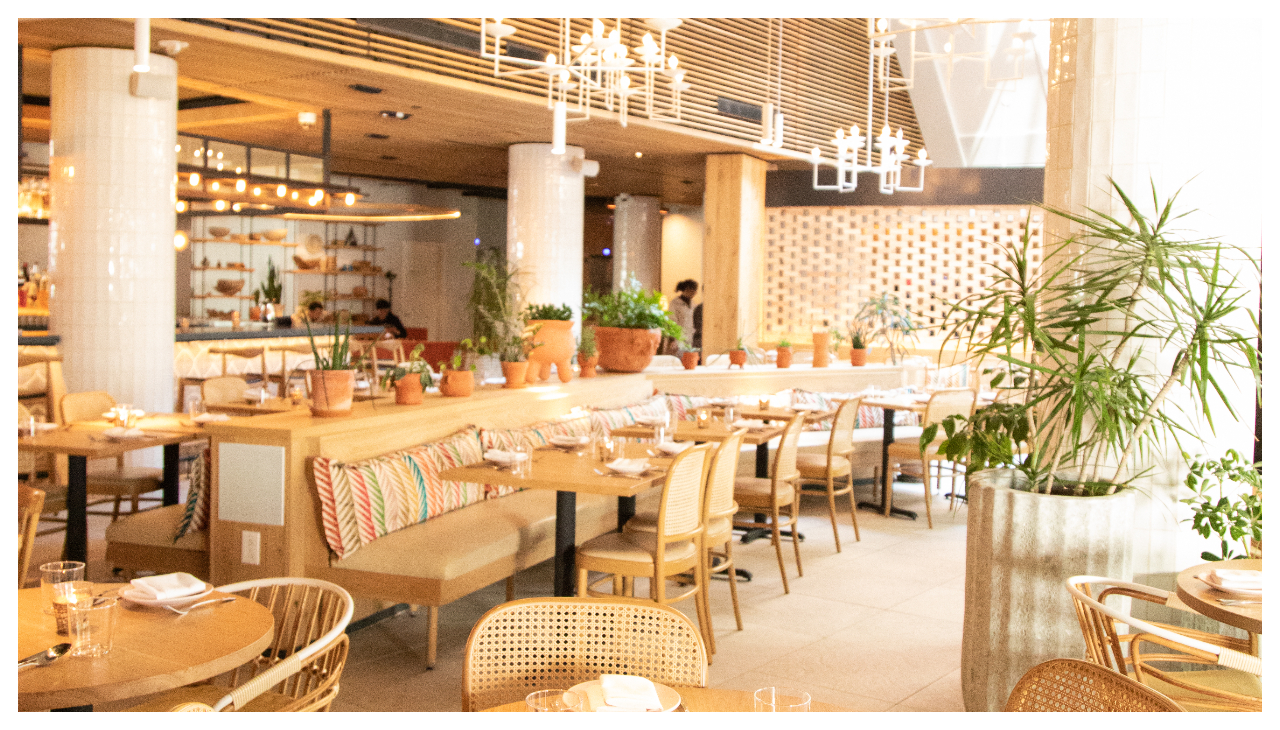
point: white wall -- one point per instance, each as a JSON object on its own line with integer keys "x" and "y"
{"x": 682, "y": 248}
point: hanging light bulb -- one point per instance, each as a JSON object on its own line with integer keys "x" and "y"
{"x": 180, "y": 241}
{"x": 214, "y": 186}
{"x": 257, "y": 190}
{"x": 220, "y": 205}
{"x": 240, "y": 186}
{"x": 235, "y": 207}
{"x": 673, "y": 62}
{"x": 351, "y": 199}
{"x": 551, "y": 59}
{"x": 597, "y": 28}
{"x": 281, "y": 190}
{"x": 194, "y": 179}
{"x": 294, "y": 196}
{"x": 180, "y": 206}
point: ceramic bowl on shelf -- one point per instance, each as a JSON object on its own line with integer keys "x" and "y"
{"x": 218, "y": 231}
{"x": 306, "y": 263}
{"x": 276, "y": 234}
{"x": 229, "y": 287}
{"x": 359, "y": 291}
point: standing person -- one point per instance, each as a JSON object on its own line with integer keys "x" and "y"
{"x": 682, "y": 312}
{"x": 384, "y": 317}
{"x": 697, "y": 331}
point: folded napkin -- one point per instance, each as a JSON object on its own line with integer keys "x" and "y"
{"x": 674, "y": 447}
{"x": 569, "y": 440}
{"x": 629, "y": 693}
{"x": 210, "y": 417}
{"x": 628, "y": 466}
{"x": 748, "y": 423}
{"x": 120, "y": 432}
{"x": 650, "y": 421}
{"x": 165, "y": 587}
{"x": 724, "y": 401}
{"x": 1234, "y": 580}
{"x": 504, "y": 457}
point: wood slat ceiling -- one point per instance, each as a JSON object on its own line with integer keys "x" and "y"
{"x": 464, "y": 119}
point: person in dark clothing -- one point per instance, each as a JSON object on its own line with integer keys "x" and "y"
{"x": 697, "y": 331}
{"x": 387, "y": 319}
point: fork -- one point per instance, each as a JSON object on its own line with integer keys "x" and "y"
{"x": 189, "y": 609}
{"x": 1239, "y": 601}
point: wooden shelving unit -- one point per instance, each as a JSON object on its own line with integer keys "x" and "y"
{"x": 221, "y": 268}
{"x": 236, "y": 242}
{"x": 221, "y": 296}
{"x": 345, "y": 247}
{"x": 325, "y": 272}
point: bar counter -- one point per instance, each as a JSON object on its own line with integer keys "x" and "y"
{"x": 260, "y": 331}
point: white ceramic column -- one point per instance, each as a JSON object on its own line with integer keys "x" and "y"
{"x": 637, "y": 241}
{"x": 544, "y": 223}
{"x": 111, "y": 255}
{"x": 1145, "y": 101}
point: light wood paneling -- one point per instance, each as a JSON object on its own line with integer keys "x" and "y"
{"x": 732, "y": 250}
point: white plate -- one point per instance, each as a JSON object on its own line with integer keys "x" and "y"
{"x": 806, "y": 409}
{"x": 669, "y": 698}
{"x": 1230, "y": 591}
{"x": 569, "y": 442}
{"x": 117, "y": 433}
{"x": 40, "y": 428}
{"x": 313, "y": 246}
{"x": 724, "y": 401}
{"x": 504, "y": 458}
{"x": 630, "y": 467}
{"x": 210, "y": 417}
{"x": 674, "y": 447}
{"x": 131, "y": 595}
{"x": 650, "y": 421}
{"x": 748, "y": 423}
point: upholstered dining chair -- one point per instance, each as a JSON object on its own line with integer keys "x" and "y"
{"x": 1234, "y": 684}
{"x": 818, "y": 472}
{"x": 30, "y": 504}
{"x": 1071, "y": 685}
{"x": 674, "y": 548}
{"x": 117, "y": 480}
{"x": 769, "y": 496}
{"x": 298, "y": 672}
{"x": 941, "y": 404}
{"x": 226, "y": 389}
{"x": 545, "y": 643}
{"x": 718, "y": 509}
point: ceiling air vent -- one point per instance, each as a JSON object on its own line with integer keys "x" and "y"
{"x": 739, "y": 109}
{"x": 443, "y": 35}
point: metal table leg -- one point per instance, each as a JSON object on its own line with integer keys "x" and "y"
{"x": 75, "y": 546}
{"x": 170, "y": 483}
{"x": 886, "y": 498}
{"x": 566, "y": 532}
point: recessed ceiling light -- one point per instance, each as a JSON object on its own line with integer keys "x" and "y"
{"x": 395, "y": 115}
{"x": 364, "y": 88}
{"x": 376, "y": 135}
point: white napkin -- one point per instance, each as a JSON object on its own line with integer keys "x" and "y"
{"x": 674, "y": 447}
{"x": 748, "y": 423}
{"x": 629, "y": 693}
{"x": 120, "y": 432}
{"x": 569, "y": 440}
{"x": 504, "y": 457}
{"x": 724, "y": 401}
{"x": 165, "y": 587}
{"x": 650, "y": 420}
{"x": 628, "y": 466}
{"x": 210, "y": 417}
{"x": 1234, "y": 580}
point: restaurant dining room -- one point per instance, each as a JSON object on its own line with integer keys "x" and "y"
{"x": 722, "y": 364}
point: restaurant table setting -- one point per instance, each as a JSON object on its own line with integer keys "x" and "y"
{"x": 1229, "y": 591}
{"x": 630, "y": 694}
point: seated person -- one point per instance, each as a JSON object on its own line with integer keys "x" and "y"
{"x": 392, "y": 323}
{"x": 316, "y": 313}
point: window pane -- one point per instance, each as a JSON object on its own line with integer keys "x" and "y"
{"x": 306, "y": 169}
{"x": 268, "y": 163}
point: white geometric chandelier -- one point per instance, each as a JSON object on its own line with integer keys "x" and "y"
{"x": 599, "y": 68}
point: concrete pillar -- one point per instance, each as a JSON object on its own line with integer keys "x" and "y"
{"x": 112, "y": 171}
{"x": 733, "y": 251}
{"x": 544, "y": 223}
{"x": 1145, "y": 101}
{"x": 637, "y": 241}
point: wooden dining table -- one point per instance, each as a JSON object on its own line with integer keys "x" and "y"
{"x": 715, "y": 432}
{"x": 83, "y": 440}
{"x": 249, "y": 407}
{"x": 153, "y": 649}
{"x": 700, "y": 699}
{"x": 1207, "y": 600}
{"x": 568, "y": 473}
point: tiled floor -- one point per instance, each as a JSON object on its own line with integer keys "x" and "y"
{"x": 876, "y": 627}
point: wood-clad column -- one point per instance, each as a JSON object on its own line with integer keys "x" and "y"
{"x": 732, "y": 251}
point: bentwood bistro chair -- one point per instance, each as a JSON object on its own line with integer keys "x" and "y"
{"x": 118, "y": 481}
{"x": 941, "y": 404}
{"x": 769, "y": 496}
{"x": 819, "y": 472}
{"x": 1071, "y": 685}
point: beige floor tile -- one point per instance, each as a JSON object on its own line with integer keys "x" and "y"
{"x": 887, "y": 672}
{"x": 944, "y": 602}
{"x": 943, "y": 695}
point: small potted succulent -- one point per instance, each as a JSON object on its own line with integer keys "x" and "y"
{"x": 410, "y": 379}
{"x": 457, "y": 380}
{"x": 587, "y": 354}
{"x": 334, "y": 379}
{"x": 513, "y": 352}
{"x": 738, "y": 355}
{"x": 784, "y": 353}
{"x": 689, "y": 357}
{"x": 554, "y": 326}
{"x": 857, "y": 345}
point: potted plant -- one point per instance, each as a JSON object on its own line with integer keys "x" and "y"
{"x": 837, "y": 340}
{"x": 410, "y": 379}
{"x": 689, "y": 357}
{"x": 784, "y": 353}
{"x": 587, "y": 354}
{"x": 1226, "y": 518}
{"x": 272, "y": 289}
{"x": 332, "y": 382}
{"x": 1051, "y": 471}
{"x": 255, "y": 311}
{"x": 630, "y": 323}
{"x": 498, "y": 319}
{"x": 456, "y": 379}
{"x": 857, "y": 345}
{"x": 886, "y": 319}
{"x": 554, "y": 327}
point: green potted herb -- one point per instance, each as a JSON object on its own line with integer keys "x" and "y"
{"x": 784, "y": 353}
{"x": 1222, "y": 516}
{"x": 458, "y": 380}
{"x": 410, "y": 379}
{"x": 498, "y": 318}
{"x": 857, "y": 345}
{"x": 333, "y": 381}
{"x": 887, "y": 320}
{"x": 271, "y": 289}
{"x": 587, "y": 354}
{"x": 630, "y": 323}
{"x": 554, "y": 328}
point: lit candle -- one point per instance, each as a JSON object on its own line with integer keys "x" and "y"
{"x": 704, "y": 418}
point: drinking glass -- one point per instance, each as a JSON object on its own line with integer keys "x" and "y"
{"x": 93, "y": 622}
{"x": 729, "y": 416}
{"x": 781, "y": 699}
{"x": 554, "y": 700}
{"x": 659, "y": 433}
{"x": 66, "y": 595}
{"x": 524, "y": 467}
{"x": 33, "y": 424}
{"x": 605, "y": 448}
{"x": 195, "y": 406}
{"x": 51, "y": 574}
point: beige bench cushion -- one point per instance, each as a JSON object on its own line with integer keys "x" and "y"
{"x": 156, "y": 527}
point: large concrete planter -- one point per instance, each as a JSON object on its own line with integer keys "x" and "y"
{"x": 1021, "y": 547}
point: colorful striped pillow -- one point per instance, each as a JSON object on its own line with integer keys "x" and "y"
{"x": 608, "y": 419}
{"x": 196, "y": 515}
{"x": 363, "y": 500}
{"x": 685, "y": 406}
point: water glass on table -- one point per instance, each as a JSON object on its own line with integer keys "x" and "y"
{"x": 93, "y": 622}
{"x": 52, "y": 574}
{"x": 781, "y": 699}
{"x": 554, "y": 700}
{"x": 66, "y": 595}
{"x": 195, "y": 406}
{"x": 659, "y": 433}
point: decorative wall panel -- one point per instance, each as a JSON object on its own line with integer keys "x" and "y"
{"x": 821, "y": 263}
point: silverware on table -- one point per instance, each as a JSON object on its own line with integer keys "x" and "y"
{"x": 1240, "y": 601}
{"x": 45, "y": 657}
{"x": 189, "y": 609}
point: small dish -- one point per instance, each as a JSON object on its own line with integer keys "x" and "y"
{"x": 210, "y": 417}
{"x": 40, "y": 428}
{"x": 650, "y": 421}
{"x": 674, "y": 447}
{"x": 630, "y": 467}
{"x": 593, "y": 696}
{"x": 118, "y": 433}
{"x": 504, "y": 458}
{"x": 1209, "y": 580}
{"x": 133, "y": 596}
{"x": 218, "y": 231}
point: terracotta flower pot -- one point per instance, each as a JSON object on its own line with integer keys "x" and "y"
{"x": 689, "y": 360}
{"x": 515, "y": 372}
{"x": 587, "y": 366}
{"x": 409, "y": 390}
{"x": 858, "y": 357}
{"x": 626, "y": 350}
{"x": 457, "y": 383}
{"x": 784, "y": 357}
{"x": 738, "y": 357}
{"x": 331, "y": 392}
{"x": 821, "y": 349}
{"x": 255, "y": 313}
{"x": 556, "y": 337}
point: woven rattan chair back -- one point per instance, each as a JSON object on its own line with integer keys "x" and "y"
{"x": 680, "y": 511}
{"x": 841, "y": 442}
{"x": 87, "y": 406}
{"x": 30, "y": 504}
{"x": 548, "y": 643}
{"x": 943, "y": 403}
{"x": 784, "y": 462}
{"x": 724, "y": 466}
{"x": 1071, "y": 685}
{"x": 226, "y": 389}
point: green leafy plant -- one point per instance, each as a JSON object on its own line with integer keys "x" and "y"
{"x": 784, "y": 342}
{"x": 741, "y": 344}
{"x": 465, "y": 348}
{"x": 562, "y": 313}
{"x": 272, "y": 287}
{"x": 837, "y": 339}
{"x": 497, "y": 314}
{"x": 886, "y": 319}
{"x": 856, "y": 338}
{"x": 1227, "y": 519}
{"x": 1078, "y": 337}
{"x": 312, "y": 296}
{"x": 338, "y": 356}
{"x": 416, "y": 365}
{"x": 630, "y": 308}
{"x": 587, "y": 343}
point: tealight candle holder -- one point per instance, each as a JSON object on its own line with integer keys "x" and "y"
{"x": 764, "y": 404}
{"x": 704, "y": 418}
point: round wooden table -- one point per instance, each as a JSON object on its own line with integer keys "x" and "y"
{"x": 700, "y": 699}
{"x": 153, "y": 649}
{"x": 1203, "y": 599}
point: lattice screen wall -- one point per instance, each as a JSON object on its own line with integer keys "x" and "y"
{"x": 822, "y": 262}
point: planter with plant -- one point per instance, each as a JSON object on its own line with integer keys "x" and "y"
{"x": 887, "y": 320}
{"x": 1051, "y": 470}
{"x": 784, "y": 353}
{"x": 738, "y": 355}
{"x": 410, "y": 379}
{"x": 689, "y": 357}
{"x": 554, "y": 327}
{"x": 630, "y": 323}
{"x": 457, "y": 380}
{"x": 498, "y": 319}
{"x": 857, "y": 345}
{"x": 588, "y": 356}
{"x": 1231, "y": 517}
{"x": 271, "y": 289}
{"x": 332, "y": 382}
{"x": 255, "y": 311}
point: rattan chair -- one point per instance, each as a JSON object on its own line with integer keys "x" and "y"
{"x": 247, "y": 353}
{"x": 674, "y": 548}
{"x": 718, "y": 509}
{"x": 30, "y": 504}
{"x": 1070, "y": 685}
{"x": 118, "y": 481}
{"x": 299, "y": 671}
{"x": 941, "y": 404}
{"x": 768, "y": 496}
{"x": 283, "y": 378}
{"x": 819, "y": 473}
{"x": 1235, "y": 686}
{"x": 227, "y": 389}
{"x": 548, "y": 643}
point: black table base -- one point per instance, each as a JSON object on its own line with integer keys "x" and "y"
{"x": 566, "y": 533}
{"x": 885, "y": 506}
